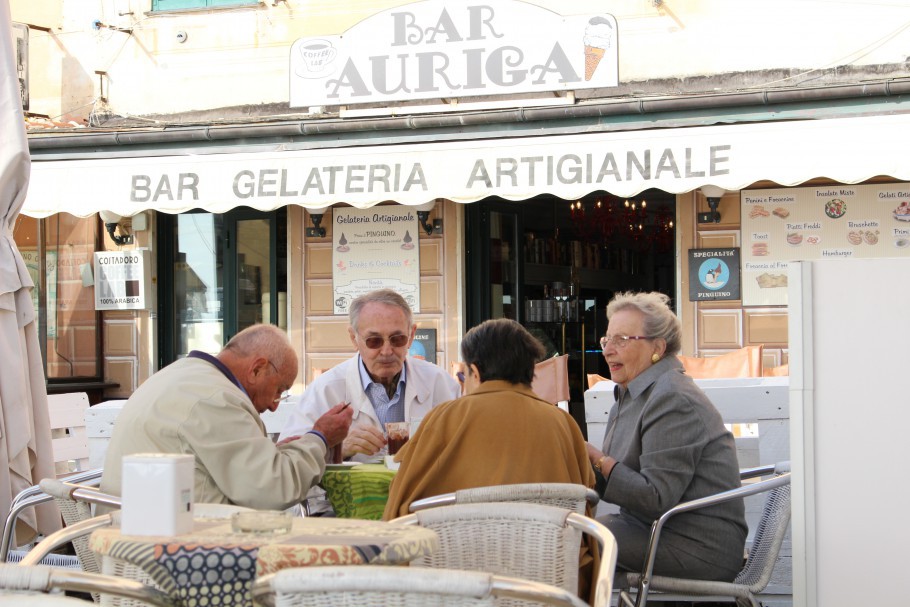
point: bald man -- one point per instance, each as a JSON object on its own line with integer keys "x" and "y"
{"x": 209, "y": 407}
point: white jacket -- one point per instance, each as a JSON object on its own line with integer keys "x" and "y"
{"x": 426, "y": 386}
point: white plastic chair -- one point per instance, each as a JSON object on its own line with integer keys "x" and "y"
{"x": 534, "y": 542}
{"x": 380, "y": 586}
{"x": 561, "y": 495}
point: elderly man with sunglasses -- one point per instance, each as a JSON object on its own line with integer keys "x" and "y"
{"x": 381, "y": 383}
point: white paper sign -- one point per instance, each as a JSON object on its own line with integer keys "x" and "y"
{"x": 122, "y": 280}
{"x": 375, "y": 249}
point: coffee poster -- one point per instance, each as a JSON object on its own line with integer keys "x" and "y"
{"x": 375, "y": 248}
{"x": 827, "y": 222}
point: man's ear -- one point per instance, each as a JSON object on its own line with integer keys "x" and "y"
{"x": 353, "y": 337}
{"x": 257, "y": 369}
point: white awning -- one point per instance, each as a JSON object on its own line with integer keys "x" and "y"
{"x": 676, "y": 160}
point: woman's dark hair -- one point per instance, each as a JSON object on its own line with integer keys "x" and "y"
{"x": 502, "y": 349}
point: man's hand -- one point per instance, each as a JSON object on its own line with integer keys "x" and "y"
{"x": 363, "y": 439}
{"x": 335, "y": 423}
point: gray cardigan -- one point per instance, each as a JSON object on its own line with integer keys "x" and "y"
{"x": 671, "y": 446}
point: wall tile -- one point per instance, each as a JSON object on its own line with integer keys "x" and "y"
{"x": 430, "y": 256}
{"x": 719, "y": 329}
{"x": 120, "y": 338}
{"x": 766, "y": 326}
{"x": 319, "y": 297}
{"x": 319, "y": 260}
{"x": 122, "y": 371}
{"x": 431, "y": 289}
{"x": 324, "y": 334}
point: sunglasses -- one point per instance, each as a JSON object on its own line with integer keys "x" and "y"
{"x": 374, "y": 342}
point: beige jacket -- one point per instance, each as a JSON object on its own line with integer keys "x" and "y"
{"x": 191, "y": 407}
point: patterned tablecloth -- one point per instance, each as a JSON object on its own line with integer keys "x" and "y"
{"x": 359, "y": 491}
{"x": 215, "y": 566}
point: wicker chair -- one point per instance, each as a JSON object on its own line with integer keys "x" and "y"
{"x": 561, "y": 495}
{"x": 534, "y": 542}
{"x": 15, "y": 579}
{"x": 755, "y": 575}
{"x": 378, "y": 586}
{"x": 39, "y": 600}
{"x": 75, "y": 503}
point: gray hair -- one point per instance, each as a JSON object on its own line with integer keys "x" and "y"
{"x": 382, "y": 296}
{"x": 660, "y": 321}
{"x": 262, "y": 340}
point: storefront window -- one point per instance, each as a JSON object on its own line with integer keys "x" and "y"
{"x": 64, "y": 294}
{"x": 228, "y": 272}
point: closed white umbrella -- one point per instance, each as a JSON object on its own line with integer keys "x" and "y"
{"x": 25, "y": 436}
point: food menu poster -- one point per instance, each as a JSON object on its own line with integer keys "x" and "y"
{"x": 373, "y": 249}
{"x": 828, "y": 222}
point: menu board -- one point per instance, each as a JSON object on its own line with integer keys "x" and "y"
{"x": 829, "y": 222}
{"x": 373, "y": 249}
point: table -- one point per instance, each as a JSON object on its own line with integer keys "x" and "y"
{"x": 358, "y": 491}
{"x": 212, "y": 565}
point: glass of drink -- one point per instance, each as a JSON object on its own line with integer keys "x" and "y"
{"x": 398, "y": 435}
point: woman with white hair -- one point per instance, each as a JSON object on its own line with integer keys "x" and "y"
{"x": 665, "y": 444}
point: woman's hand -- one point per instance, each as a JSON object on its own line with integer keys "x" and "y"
{"x": 594, "y": 454}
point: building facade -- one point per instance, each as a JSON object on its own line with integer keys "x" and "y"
{"x": 195, "y": 123}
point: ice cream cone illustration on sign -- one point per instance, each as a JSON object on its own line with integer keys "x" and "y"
{"x": 598, "y": 37}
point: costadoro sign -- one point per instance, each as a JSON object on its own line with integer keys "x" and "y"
{"x": 122, "y": 280}
{"x": 435, "y": 49}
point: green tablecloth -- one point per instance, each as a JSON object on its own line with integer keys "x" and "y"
{"x": 359, "y": 491}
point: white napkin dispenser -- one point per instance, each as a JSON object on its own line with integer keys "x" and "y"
{"x": 157, "y": 494}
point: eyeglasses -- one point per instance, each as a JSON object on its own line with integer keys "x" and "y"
{"x": 374, "y": 342}
{"x": 286, "y": 393}
{"x": 619, "y": 341}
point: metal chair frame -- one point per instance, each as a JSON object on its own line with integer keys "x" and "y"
{"x": 647, "y": 581}
{"x": 33, "y": 496}
{"x": 549, "y": 494}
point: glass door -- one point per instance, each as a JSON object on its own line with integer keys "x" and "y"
{"x": 219, "y": 275}
{"x": 493, "y": 285}
{"x": 198, "y": 294}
